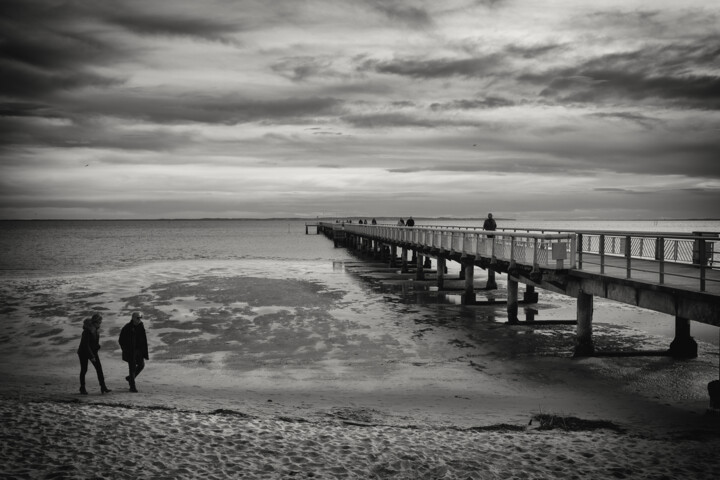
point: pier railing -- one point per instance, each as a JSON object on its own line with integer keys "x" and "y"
{"x": 659, "y": 255}
{"x": 548, "y": 251}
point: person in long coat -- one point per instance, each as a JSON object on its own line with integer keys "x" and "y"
{"x": 133, "y": 342}
{"x": 88, "y": 352}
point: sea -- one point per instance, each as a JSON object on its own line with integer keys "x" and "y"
{"x": 122, "y": 258}
{"x": 62, "y": 247}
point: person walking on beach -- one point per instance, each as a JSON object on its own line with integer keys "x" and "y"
{"x": 490, "y": 224}
{"x": 88, "y": 351}
{"x": 133, "y": 342}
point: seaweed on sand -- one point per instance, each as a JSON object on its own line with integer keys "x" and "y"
{"x": 573, "y": 424}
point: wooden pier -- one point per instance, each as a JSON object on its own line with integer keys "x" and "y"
{"x": 673, "y": 273}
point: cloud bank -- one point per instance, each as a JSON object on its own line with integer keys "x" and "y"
{"x": 137, "y": 109}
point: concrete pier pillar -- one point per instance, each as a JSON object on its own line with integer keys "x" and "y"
{"x": 469, "y": 293}
{"x": 530, "y": 295}
{"x": 461, "y": 276}
{"x": 491, "y": 283}
{"x": 683, "y": 345}
{"x": 584, "y": 342}
{"x": 419, "y": 272}
{"x": 512, "y": 300}
{"x": 440, "y": 272}
{"x": 428, "y": 263}
{"x": 393, "y": 256}
{"x": 404, "y": 260}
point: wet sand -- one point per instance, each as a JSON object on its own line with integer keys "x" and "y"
{"x": 353, "y": 372}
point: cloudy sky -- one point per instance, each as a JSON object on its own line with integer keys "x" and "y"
{"x": 304, "y": 108}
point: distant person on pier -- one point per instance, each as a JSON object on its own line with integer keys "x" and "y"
{"x": 410, "y": 222}
{"x": 401, "y": 223}
{"x": 490, "y": 224}
{"x": 374, "y": 222}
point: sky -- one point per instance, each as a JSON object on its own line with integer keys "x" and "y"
{"x": 547, "y": 110}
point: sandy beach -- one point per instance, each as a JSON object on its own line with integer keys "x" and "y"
{"x": 328, "y": 381}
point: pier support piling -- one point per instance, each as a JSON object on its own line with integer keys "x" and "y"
{"x": 404, "y": 260}
{"x": 440, "y": 272}
{"x": 512, "y": 300}
{"x": 419, "y": 272}
{"x": 469, "y": 293}
{"x": 683, "y": 346}
{"x": 428, "y": 263}
{"x": 491, "y": 283}
{"x": 530, "y": 295}
{"x": 584, "y": 342}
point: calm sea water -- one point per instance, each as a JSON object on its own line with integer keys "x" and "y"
{"x": 41, "y": 248}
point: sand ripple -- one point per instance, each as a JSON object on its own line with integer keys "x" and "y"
{"x": 80, "y": 440}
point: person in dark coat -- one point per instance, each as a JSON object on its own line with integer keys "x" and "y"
{"x": 490, "y": 224}
{"x": 88, "y": 351}
{"x": 410, "y": 222}
{"x": 133, "y": 342}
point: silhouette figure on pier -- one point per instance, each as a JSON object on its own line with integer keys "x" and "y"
{"x": 490, "y": 224}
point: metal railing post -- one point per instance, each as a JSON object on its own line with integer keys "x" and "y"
{"x": 660, "y": 254}
{"x": 512, "y": 251}
{"x": 703, "y": 264}
{"x": 580, "y": 249}
{"x": 628, "y": 255}
{"x": 602, "y": 253}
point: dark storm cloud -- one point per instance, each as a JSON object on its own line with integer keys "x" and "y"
{"x": 24, "y": 132}
{"x": 42, "y": 51}
{"x": 521, "y": 165}
{"x": 184, "y": 108}
{"x": 187, "y": 107}
{"x": 620, "y": 190}
{"x": 672, "y": 74}
{"x": 409, "y": 15}
{"x": 21, "y": 81}
{"x": 439, "y": 68}
{"x": 170, "y": 24}
{"x": 487, "y": 102}
{"x": 384, "y": 120}
{"x": 299, "y": 69}
{"x": 577, "y": 154}
{"x": 640, "y": 119}
{"x": 534, "y": 51}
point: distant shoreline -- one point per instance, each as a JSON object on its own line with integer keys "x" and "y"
{"x": 332, "y": 219}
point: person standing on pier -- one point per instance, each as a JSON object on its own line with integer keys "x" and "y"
{"x": 490, "y": 224}
{"x": 401, "y": 223}
{"x": 133, "y": 342}
{"x": 410, "y": 222}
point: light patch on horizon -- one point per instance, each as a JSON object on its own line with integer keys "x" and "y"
{"x": 288, "y": 109}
